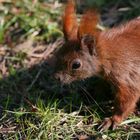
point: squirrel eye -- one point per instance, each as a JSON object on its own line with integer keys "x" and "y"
{"x": 76, "y": 64}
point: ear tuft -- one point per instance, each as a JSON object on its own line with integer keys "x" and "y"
{"x": 88, "y": 24}
{"x": 70, "y": 25}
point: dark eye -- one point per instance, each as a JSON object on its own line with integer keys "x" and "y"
{"x": 76, "y": 64}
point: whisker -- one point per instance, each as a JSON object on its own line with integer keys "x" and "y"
{"x": 86, "y": 92}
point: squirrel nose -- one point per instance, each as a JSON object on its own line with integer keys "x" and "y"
{"x": 58, "y": 77}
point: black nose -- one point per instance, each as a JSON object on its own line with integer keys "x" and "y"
{"x": 58, "y": 77}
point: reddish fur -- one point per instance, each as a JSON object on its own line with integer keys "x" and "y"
{"x": 88, "y": 23}
{"x": 119, "y": 50}
{"x": 69, "y": 21}
{"x": 117, "y": 60}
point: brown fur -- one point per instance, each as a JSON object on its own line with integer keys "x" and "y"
{"x": 70, "y": 24}
{"x": 113, "y": 55}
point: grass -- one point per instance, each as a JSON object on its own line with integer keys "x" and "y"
{"x": 32, "y": 105}
{"x": 28, "y": 18}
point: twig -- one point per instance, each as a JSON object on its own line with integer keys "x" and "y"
{"x": 8, "y": 130}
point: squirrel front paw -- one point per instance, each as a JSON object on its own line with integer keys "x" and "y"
{"x": 108, "y": 123}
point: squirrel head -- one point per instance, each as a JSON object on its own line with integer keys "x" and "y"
{"x": 78, "y": 58}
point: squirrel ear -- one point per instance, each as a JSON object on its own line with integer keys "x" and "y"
{"x": 70, "y": 25}
{"x": 89, "y": 42}
{"x": 88, "y": 32}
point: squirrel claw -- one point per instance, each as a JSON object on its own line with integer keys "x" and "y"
{"x": 108, "y": 123}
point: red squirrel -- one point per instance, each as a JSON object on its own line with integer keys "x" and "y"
{"x": 113, "y": 54}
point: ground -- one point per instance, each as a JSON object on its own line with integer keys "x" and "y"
{"x": 32, "y": 104}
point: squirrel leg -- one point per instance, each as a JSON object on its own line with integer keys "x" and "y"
{"x": 125, "y": 103}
